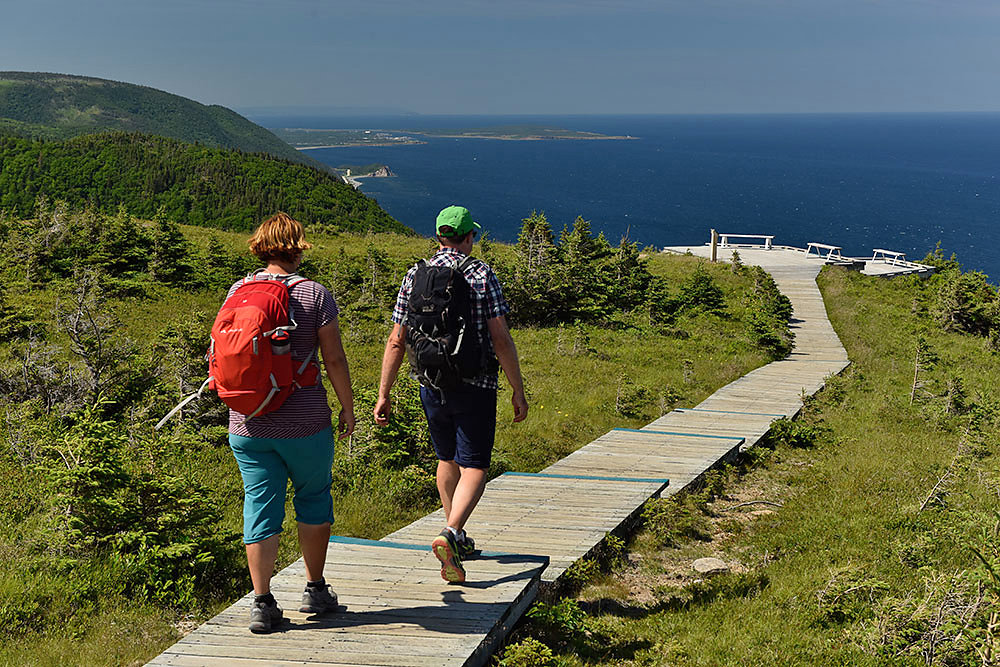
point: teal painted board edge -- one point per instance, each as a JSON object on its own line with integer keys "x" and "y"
{"x": 686, "y": 435}
{"x": 643, "y": 480}
{"x": 730, "y": 412}
{"x": 359, "y": 541}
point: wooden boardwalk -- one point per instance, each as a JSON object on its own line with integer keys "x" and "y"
{"x": 396, "y": 609}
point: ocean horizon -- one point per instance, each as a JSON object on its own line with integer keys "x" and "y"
{"x": 903, "y": 182}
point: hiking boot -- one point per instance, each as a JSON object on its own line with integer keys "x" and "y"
{"x": 466, "y": 546}
{"x": 265, "y": 617}
{"x": 319, "y": 600}
{"x": 445, "y": 547}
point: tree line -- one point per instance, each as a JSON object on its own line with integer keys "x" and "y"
{"x": 188, "y": 183}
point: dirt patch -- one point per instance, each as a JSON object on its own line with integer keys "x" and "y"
{"x": 749, "y": 502}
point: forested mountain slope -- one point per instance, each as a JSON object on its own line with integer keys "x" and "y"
{"x": 187, "y": 183}
{"x": 60, "y": 106}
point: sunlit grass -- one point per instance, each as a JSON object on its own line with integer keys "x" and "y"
{"x": 851, "y": 507}
{"x": 581, "y": 381}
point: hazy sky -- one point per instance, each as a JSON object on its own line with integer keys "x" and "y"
{"x": 523, "y": 56}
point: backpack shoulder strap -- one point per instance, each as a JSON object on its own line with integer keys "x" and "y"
{"x": 294, "y": 279}
{"x": 290, "y": 280}
{"x": 465, "y": 263}
{"x": 418, "y": 267}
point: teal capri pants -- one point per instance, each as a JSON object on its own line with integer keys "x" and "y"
{"x": 267, "y": 464}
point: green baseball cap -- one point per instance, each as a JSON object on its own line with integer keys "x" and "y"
{"x": 455, "y": 221}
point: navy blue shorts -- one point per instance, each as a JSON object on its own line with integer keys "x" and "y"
{"x": 463, "y": 425}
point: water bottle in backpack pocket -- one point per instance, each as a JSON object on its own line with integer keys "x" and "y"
{"x": 281, "y": 343}
{"x": 250, "y": 363}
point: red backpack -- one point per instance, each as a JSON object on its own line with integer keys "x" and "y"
{"x": 250, "y": 363}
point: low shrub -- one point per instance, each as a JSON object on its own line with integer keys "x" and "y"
{"x": 558, "y": 622}
{"x": 527, "y": 653}
{"x": 672, "y": 520}
{"x": 159, "y": 532}
{"x": 793, "y": 433}
{"x": 848, "y": 595}
{"x": 582, "y": 572}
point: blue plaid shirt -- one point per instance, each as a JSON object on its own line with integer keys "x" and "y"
{"x": 487, "y": 299}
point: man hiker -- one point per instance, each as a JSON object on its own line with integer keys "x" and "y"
{"x": 457, "y": 368}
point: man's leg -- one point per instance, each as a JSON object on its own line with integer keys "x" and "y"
{"x": 462, "y": 431}
{"x": 448, "y": 474}
{"x": 475, "y": 428}
{"x": 460, "y": 488}
{"x": 441, "y": 424}
{"x": 471, "y": 484}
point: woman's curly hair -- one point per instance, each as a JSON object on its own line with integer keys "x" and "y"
{"x": 280, "y": 237}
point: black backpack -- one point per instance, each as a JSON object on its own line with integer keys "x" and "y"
{"x": 442, "y": 340}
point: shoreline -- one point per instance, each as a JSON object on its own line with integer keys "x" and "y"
{"x": 356, "y": 144}
{"x": 528, "y": 138}
{"x": 381, "y": 144}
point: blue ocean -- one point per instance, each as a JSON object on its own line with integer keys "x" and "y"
{"x": 902, "y": 182}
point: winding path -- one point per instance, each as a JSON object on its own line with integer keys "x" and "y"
{"x": 398, "y": 611}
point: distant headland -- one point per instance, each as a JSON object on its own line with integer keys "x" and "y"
{"x": 305, "y": 139}
{"x": 352, "y": 173}
{"x": 519, "y": 133}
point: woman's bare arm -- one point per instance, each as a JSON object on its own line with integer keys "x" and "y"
{"x": 335, "y": 361}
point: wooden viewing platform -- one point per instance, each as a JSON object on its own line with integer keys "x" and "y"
{"x": 532, "y": 526}
{"x": 883, "y": 263}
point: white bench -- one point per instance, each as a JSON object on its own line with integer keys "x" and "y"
{"x": 832, "y": 251}
{"x": 724, "y": 238}
{"x": 889, "y": 256}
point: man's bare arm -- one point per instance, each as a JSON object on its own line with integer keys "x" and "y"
{"x": 503, "y": 345}
{"x": 392, "y": 359}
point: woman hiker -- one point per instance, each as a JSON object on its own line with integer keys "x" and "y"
{"x": 296, "y": 440}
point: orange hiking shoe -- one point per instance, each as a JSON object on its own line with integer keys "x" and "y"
{"x": 445, "y": 548}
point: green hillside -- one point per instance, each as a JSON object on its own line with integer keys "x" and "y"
{"x": 188, "y": 183}
{"x": 60, "y": 106}
{"x": 111, "y": 552}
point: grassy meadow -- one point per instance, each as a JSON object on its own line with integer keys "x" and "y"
{"x": 865, "y": 533}
{"x": 68, "y": 599}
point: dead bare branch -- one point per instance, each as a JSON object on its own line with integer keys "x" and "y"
{"x": 752, "y": 502}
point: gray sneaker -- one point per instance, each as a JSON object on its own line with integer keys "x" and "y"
{"x": 318, "y": 600}
{"x": 265, "y": 617}
{"x": 466, "y": 546}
